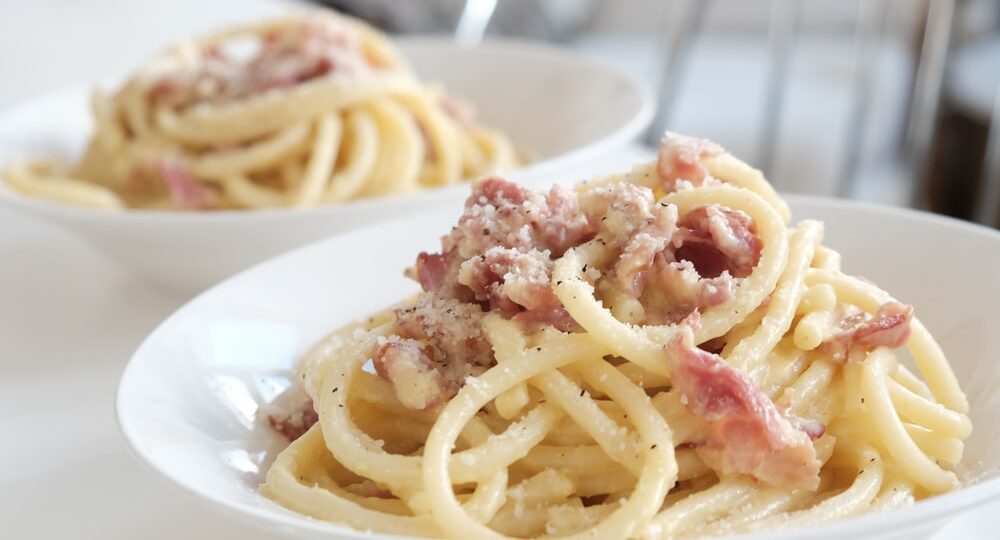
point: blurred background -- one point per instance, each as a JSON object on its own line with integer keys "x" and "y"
{"x": 890, "y": 101}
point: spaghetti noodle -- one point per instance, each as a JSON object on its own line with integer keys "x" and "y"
{"x": 653, "y": 355}
{"x": 301, "y": 111}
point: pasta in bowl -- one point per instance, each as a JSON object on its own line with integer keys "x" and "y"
{"x": 505, "y": 82}
{"x": 651, "y": 355}
{"x": 308, "y": 110}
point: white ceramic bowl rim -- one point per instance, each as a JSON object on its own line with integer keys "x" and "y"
{"x": 624, "y": 132}
{"x": 898, "y": 520}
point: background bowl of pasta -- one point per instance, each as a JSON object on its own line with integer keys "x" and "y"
{"x": 188, "y": 400}
{"x": 528, "y": 109}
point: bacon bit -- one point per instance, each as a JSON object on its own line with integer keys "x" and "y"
{"x": 411, "y": 371}
{"x": 862, "y": 332}
{"x": 458, "y": 109}
{"x": 312, "y": 49}
{"x": 686, "y": 290}
{"x": 436, "y": 344}
{"x": 293, "y": 427}
{"x": 291, "y": 413}
{"x": 639, "y": 253}
{"x": 556, "y": 317}
{"x": 717, "y": 239}
{"x": 746, "y": 432}
{"x": 680, "y": 159}
{"x": 431, "y": 270}
{"x": 500, "y": 253}
{"x": 185, "y": 191}
{"x": 513, "y": 282}
{"x": 562, "y": 225}
{"x": 813, "y": 428}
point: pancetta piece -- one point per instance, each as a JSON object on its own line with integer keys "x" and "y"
{"x": 679, "y": 160}
{"x": 746, "y": 433}
{"x": 860, "y": 331}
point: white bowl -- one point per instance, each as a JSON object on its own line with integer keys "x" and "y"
{"x": 187, "y": 400}
{"x": 555, "y": 104}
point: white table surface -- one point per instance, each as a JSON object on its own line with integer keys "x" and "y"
{"x": 69, "y": 319}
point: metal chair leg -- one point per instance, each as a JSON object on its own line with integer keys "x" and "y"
{"x": 927, "y": 89}
{"x": 782, "y": 35}
{"x": 987, "y": 209}
{"x": 476, "y": 16}
{"x": 868, "y": 33}
{"x": 679, "y": 45}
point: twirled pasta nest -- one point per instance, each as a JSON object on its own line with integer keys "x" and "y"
{"x": 653, "y": 355}
{"x": 307, "y": 110}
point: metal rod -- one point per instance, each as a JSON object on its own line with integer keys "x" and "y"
{"x": 868, "y": 32}
{"x": 782, "y": 34}
{"x": 475, "y": 18}
{"x": 675, "y": 57}
{"x": 927, "y": 90}
{"x": 987, "y": 209}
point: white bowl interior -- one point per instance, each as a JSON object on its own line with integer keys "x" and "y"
{"x": 523, "y": 79}
{"x": 556, "y": 105}
{"x": 188, "y": 398}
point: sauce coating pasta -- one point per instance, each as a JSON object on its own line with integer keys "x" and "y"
{"x": 656, "y": 354}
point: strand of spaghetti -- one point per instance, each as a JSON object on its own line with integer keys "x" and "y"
{"x": 250, "y": 194}
{"x": 283, "y": 486}
{"x": 731, "y": 170}
{"x": 270, "y": 111}
{"x": 496, "y": 149}
{"x": 853, "y": 500}
{"x": 780, "y": 369}
{"x": 360, "y": 155}
{"x": 658, "y": 472}
{"x": 892, "y": 434}
{"x": 587, "y": 416}
{"x": 107, "y": 129}
{"x": 473, "y": 159}
{"x": 379, "y": 393}
{"x": 442, "y": 143}
{"x": 642, "y": 344}
{"x": 893, "y": 495}
{"x": 321, "y": 160}
{"x": 703, "y": 506}
{"x": 400, "y": 154}
{"x": 135, "y": 110}
{"x": 569, "y": 397}
{"x": 643, "y": 377}
{"x": 632, "y": 399}
{"x": 927, "y": 353}
{"x": 510, "y": 403}
{"x": 574, "y": 458}
{"x": 361, "y": 454}
{"x": 752, "y": 290}
{"x": 911, "y": 382}
{"x": 933, "y": 416}
{"x": 784, "y": 299}
{"x": 808, "y": 387}
{"x": 763, "y": 504}
{"x": 20, "y": 177}
{"x": 365, "y": 457}
{"x": 944, "y": 449}
{"x": 255, "y": 156}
